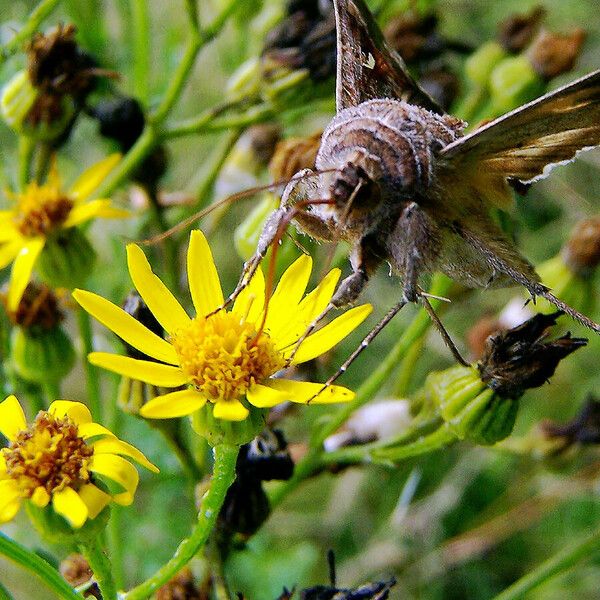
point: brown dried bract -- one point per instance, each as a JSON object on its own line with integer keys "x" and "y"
{"x": 517, "y": 31}
{"x": 523, "y": 357}
{"x": 582, "y": 252}
{"x": 551, "y": 54}
{"x": 38, "y": 308}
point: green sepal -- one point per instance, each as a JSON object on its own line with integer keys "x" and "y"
{"x": 43, "y": 355}
{"x": 481, "y": 63}
{"x": 55, "y": 529}
{"x": 233, "y": 433}
{"x": 67, "y": 259}
{"x": 18, "y": 96}
{"x": 247, "y": 234}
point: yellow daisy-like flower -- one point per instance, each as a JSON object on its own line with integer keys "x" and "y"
{"x": 42, "y": 210}
{"x": 65, "y": 459}
{"x": 225, "y": 358}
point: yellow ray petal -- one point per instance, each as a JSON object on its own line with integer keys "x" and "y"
{"x": 40, "y": 497}
{"x": 203, "y": 279}
{"x": 123, "y": 499}
{"x": 101, "y": 208}
{"x": 10, "y": 500}
{"x": 327, "y": 337}
{"x": 91, "y": 178}
{"x": 163, "y": 305}
{"x": 144, "y": 370}
{"x": 68, "y": 504}
{"x": 92, "y": 430}
{"x": 251, "y": 300}
{"x": 230, "y": 410}
{"x": 262, "y": 396}
{"x": 9, "y": 250}
{"x": 126, "y": 327}
{"x": 79, "y": 413}
{"x": 113, "y": 445}
{"x": 308, "y": 310}
{"x": 116, "y": 469}
{"x": 21, "y": 270}
{"x": 303, "y": 391}
{"x": 12, "y": 418}
{"x": 174, "y": 404}
{"x": 288, "y": 294}
{"x": 94, "y": 499}
{"x": 8, "y": 233}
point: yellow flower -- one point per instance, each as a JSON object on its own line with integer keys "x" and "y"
{"x": 41, "y": 211}
{"x": 225, "y": 358}
{"x": 65, "y": 459}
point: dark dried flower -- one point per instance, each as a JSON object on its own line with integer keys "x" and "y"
{"x": 582, "y": 252}
{"x": 478, "y": 334}
{"x": 415, "y": 36}
{"x": 517, "y": 31}
{"x": 523, "y": 357}
{"x": 38, "y": 308}
{"x": 551, "y": 54}
{"x": 57, "y": 65}
{"x": 584, "y": 428}
{"x": 182, "y": 587}
{"x": 76, "y": 571}
{"x": 263, "y": 141}
{"x": 120, "y": 119}
{"x": 294, "y": 154}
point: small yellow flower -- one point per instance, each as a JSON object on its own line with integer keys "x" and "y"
{"x": 42, "y": 210}
{"x": 65, "y": 459}
{"x": 226, "y": 358}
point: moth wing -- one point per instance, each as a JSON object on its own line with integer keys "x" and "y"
{"x": 367, "y": 68}
{"x": 526, "y": 143}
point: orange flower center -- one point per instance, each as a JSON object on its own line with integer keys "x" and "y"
{"x": 41, "y": 209}
{"x": 49, "y": 455}
{"x": 224, "y": 355}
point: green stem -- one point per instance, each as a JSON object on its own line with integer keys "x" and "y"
{"x": 38, "y": 566}
{"x": 91, "y": 373}
{"x": 407, "y": 368}
{"x": 26, "y": 148}
{"x": 101, "y": 568}
{"x": 141, "y": 45}
{"x": 51, "y": 391}
{"x": 44, "y": 156}
{"x": 115, "y": 545}
{"x": 223, "y": 477}
{"x": 5, "y": 594}
{"x": 39, "y": 13}
{"x": 559, "y": 563}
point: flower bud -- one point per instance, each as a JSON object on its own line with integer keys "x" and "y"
{"x": 67, "y": 259}
{"x": 481, "y": 63}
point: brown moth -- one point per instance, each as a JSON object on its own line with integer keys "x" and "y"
{"x": 396, "y": 177}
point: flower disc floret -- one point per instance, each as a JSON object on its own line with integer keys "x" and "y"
{"x": 225, "y": 356}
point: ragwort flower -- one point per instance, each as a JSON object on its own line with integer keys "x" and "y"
{"x": 225, "y": 358}
{"x": 41, "y": 212}
{"x": 64, "y": 459}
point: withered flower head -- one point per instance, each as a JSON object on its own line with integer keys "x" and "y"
{"x": 182, "y": 587}
{"x": 294, "y": 154}
{"x": 76, "y": 571}
{"x": 414, "y": 36}
{"x": 551, "y": 54}
{"x": 516, "y": 32}
{"x": 120, "y": 119}
{"x": 57, "y": 65}
{"x": 584, "y": 428}
{"x": 524, "y": 357}
{"x": 263, "y": 141}
{"x": 38, "y": 308}
{"x": 304, "y": 40}
{"x": 582, "y": 252}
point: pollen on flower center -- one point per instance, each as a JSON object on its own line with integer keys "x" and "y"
{"x": 224, "y": 356}
{"x": 49, "y": 455}
{"x": 41, "y": 209}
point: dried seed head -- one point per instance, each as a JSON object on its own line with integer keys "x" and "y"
{"x": 551, "y": 54}
{"x": 517, "y": 31}
{"x": 582, "y": 252}
{"x": 523, "y": 357}
{"x": 182, "y": 587}
{"x": 76, "y": 571}
{"x": 294, "y": 154}
{"x": 38, "y": 308}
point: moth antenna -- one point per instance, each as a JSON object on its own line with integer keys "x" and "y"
{"x": 297, "y": 243}
{"x": 574, "y": 314}
{"x": 224, "y": 201}
{"x": 442, "y": 330}
{"x": 362, "y": 346}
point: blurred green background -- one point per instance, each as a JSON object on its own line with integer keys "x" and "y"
{"x": 462, "y": 523}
